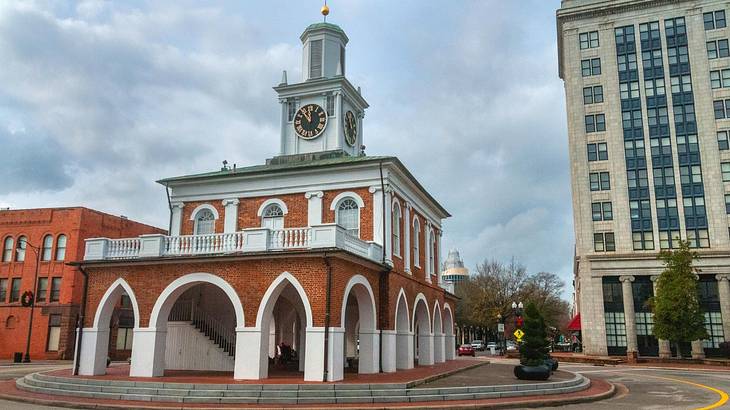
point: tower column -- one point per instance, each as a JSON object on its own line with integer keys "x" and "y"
{"x": 629, "y": 315}
{"x": 665, "y": 350}
{"x": 723, "y": 287}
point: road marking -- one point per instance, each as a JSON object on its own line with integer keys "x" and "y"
{"x": 723, "y": 395}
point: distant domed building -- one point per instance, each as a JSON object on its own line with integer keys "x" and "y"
{"x": 453, "y": 269}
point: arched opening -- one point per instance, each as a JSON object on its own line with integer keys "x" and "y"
{"x": 359, "y": 322}
{"x": 284, "y": 317}
{"x": 116, "y": 313}
{"x": 404, "y": 341}
{"x": 423, "y": 337}
{"x": 449, "y": 340}
{"x": 438, "y": 335}
{"x": 192, "y": 327}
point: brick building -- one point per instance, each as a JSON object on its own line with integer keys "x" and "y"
{"x": 331, "y": 252}
{"x": 58, "y": 234}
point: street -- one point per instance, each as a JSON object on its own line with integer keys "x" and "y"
{"x": 9, "y": 372}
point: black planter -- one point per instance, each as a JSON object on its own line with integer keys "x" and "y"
{"x": 551, "y": 363}
{"x": 532, "y": 372}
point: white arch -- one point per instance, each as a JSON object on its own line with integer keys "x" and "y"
{"x": 162, "y": 308}
{"x": 348, "y": 194}
{"x": 272, "y": 201}
{"x": 273, "y": 292}
{"x": 200, "y": 207}
{"x": 105, "y": 308}
{"x": 401, "y": 296}
{"x": 420, "y": 297}
{"x": 437, "y": 310}
{"x": 360, "y": 280}
{"x": 449, "y": 331}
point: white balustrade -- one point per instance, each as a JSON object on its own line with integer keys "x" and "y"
{"x": 290, "y": 238}
{"x": 248, "y": 240}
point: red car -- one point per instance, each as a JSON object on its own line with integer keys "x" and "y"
{"x": 466, "y": 350}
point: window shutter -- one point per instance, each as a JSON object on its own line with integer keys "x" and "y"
{"x": 315, "y": 59}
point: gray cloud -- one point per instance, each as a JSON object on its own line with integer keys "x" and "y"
{"x": 466, "y": 94}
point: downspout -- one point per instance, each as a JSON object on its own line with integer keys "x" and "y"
{"x": 169, "y": 206}
{"x": 327, "y": 317}
{"x": 383, "y": 280}
{"x": 80, "y": 322}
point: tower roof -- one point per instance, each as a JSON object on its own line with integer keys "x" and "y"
{"x": 454, "y": 265}
{"x": 324, "y": 26}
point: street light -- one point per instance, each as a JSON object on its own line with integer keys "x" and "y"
{"x": 21, "y": 247}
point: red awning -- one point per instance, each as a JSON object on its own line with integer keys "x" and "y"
{"x": 574, "y": 323}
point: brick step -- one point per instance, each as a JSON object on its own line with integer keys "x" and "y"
{"x": 281, "y": 394}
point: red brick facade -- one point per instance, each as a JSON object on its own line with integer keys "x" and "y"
{"x": 76, "y": 224}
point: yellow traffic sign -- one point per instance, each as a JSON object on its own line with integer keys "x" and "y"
{"x": 519, "y": 334}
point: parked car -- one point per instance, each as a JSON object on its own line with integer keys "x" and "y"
{"x": 494, "y": 345}
{"x": 512, "y": 346}
{"x": 477, "y": 345}
{"x": 466, "y": 350}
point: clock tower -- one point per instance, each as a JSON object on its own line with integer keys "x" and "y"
{"x": 324, "y": 111}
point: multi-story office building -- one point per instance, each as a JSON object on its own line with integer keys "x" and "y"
{"x": 647, "y": 85}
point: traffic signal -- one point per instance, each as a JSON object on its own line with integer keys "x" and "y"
{"x": 520, "y": 322}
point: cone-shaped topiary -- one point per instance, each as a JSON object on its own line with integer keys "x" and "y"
{"x": 535, "y": 347}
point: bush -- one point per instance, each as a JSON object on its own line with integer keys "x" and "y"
{"x": 536, "y": 346}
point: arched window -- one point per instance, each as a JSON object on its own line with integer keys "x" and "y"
{"x": 8, "y": 249}
{"x": 47, "y": 250}
{"x": 20, "y": 250}
{"x": 61, "y": 247}
{"x": 396, "y": 229}
{"x": 204, "y": 222}
{"x": 10, "y": 322}
{"x": 416, "y": 243}
{"x": 431, "y": 252}
{"x": 273, "y": 217}
{"x": 348, "y": 216}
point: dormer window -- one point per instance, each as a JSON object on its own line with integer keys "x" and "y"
{"x": 348, "y": 216}
{"x": 204, "y": 222}
{"x": 273, "y": 217}
{"x": 315, "y": 59}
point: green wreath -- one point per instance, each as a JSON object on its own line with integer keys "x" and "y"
{"x": 27, "y": 299}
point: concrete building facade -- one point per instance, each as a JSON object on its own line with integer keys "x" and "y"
{"x": 647, "y": 85}
{"x": 320, "y": 262}
{"x": 58, "y": 234}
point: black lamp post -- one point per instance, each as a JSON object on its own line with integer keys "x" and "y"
{"x": 517, "y": 310}
{"x": 37, "y": 250}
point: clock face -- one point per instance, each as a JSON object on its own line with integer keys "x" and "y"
{"x": 310, "y": 121}
{"x": 350, "y": 128}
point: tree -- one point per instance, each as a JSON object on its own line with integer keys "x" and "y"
{"x": 536, "y": 346}
{"x": 677, "y": 314}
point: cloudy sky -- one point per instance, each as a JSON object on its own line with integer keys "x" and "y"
{"x": 99, "y": 99}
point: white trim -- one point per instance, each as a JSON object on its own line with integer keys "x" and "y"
{"x": 272, "y": 201}
{"x": 451, "y": 315}
{"x": 358, "y": 279}
{"x": 437, "y": 309}
{"x": 201, "y": 207}
{"x": 191, "y": 279}
{"x": 421, "y": 297}
{"x": 120, "y": 282}
{"x": 348, "y": 194}
{"x": 276, "y": 287}
{"x": 397, "y": 305}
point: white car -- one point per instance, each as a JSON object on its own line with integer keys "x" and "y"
{"x": 477, "y": 345}
{"x": 494, "y": 345}
{"x": 512, "y": 346}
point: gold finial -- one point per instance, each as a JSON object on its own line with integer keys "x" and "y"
{"x": 325, "y": 11}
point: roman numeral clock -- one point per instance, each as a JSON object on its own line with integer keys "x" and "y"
{"x": 309, "y": 121}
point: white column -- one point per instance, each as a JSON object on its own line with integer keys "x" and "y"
{"x": 314, "y": 207}
{"x": 407, "y": 227}
{"x": 92, "y": 358}
{"x": 314, "y": 354}
{"x": 438, "y": 348}
{"x": 377, "y": 214}
{"x": 437, "y": 258}
{"x": 231, "y": 217}
{"x": 339, "y": 119}
{"x": 404, "y": 348}
{"x": 336, "y": 353}
{"x": 369, "y": 361}
{"x": 176, "y": 220}
{"x": 389, "y": 340}
{"x": 665, "y": 350}
{"x": 252, "y": 355}
{"x": 425, "y": 349}
{"x": 629, "y": 314}
{"x": 449, "y": 347}
{"x": 698, "y": 351}
{"x": 723, "y": 287}
{"x": 148, "y": 352}
{"x": 388, "y": 238}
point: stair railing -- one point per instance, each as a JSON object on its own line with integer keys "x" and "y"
{"x": 222, "y": 335}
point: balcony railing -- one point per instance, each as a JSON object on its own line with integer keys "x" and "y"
{"x": 247, "y": 240}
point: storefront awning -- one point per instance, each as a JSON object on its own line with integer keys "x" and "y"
{"x": 574, "y": 324}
